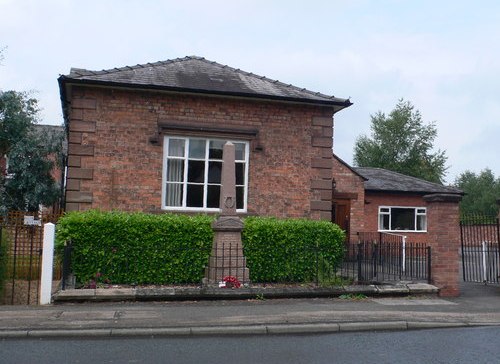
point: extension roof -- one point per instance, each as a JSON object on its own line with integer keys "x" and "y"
{"x": 383, "y": 180}
{"x": 198, "y": 75}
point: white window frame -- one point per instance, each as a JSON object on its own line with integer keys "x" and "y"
{"x": 184, "y": 183}
{"x": 419, "y": 211}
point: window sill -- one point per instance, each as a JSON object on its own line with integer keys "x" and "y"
{"x": 197, "y": 210}
{"x": 402, "y": 231}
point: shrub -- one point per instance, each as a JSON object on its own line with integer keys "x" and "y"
{"x": 291, "y": 250}
{"x": 125, "y": 248}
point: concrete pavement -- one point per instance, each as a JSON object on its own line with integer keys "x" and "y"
{"x": 478, "y": 305}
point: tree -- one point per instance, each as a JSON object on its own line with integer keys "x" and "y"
{"x": 401, "y": 142}
{"x": 31, "y": 155}
{"x": 481, "y": 192}
{"x": 18, "y": 112}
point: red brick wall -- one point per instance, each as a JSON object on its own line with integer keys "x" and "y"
{"x": 374, "y": 200}
{"x": 112, "y": 164}
{"x": 444, "y": 237}
{"x": 351, "y": 186}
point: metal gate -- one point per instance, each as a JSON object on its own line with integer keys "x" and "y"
{"x": 480, "y": 235}
{"x": 20, "y": 257}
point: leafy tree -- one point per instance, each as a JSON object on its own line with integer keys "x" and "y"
{"x": 18, "y": 112}
{"x": 401, "y": 142}
{"x": 481, "y": 192}
{"x": 32, "y": 155}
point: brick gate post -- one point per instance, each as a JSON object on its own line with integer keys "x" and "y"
{"x": 443, "y": 229}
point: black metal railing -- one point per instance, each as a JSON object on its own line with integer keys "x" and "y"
{"x": 374, "y": 262}
{"x": 362, "y": 262}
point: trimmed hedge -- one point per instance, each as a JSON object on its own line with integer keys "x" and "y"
{"x": 138, "y": 248}
{"x": 291, "y": 250}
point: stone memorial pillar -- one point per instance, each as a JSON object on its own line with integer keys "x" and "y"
{"x": 227, "y": 258}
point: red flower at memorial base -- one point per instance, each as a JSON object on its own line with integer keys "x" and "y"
{"x": 231, "y": 282}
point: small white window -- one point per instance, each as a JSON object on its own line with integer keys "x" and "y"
{"x": 192, "y": 173}
{"x": 395, "y": 218}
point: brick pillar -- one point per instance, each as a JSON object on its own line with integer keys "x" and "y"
{"x": 443, "y": 231}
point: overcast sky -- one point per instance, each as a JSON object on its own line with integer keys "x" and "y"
{"x": 443, "y": 56}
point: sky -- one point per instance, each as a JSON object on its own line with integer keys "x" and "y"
{"x": 442, "y": 56}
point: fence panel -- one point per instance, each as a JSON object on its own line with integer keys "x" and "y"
{"x": 480, "y": 235}
{"x": 22, "y": 242}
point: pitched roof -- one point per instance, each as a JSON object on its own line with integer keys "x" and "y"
{"x": 198, "y": 75}
{"x": 379, "y": 179}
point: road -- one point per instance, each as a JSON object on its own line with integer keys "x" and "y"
{"x": 461, "y": 345}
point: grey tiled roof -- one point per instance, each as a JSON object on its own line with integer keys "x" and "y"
{"x": 379, "y": 179}
{"x": 196, "y": 74}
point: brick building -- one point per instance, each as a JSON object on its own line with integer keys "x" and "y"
{"x": 379, "y": 200}
{"x": 149, "y": 138}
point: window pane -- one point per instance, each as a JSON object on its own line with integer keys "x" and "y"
{"x": 215, "y": 151}
{"x": 196, "y": 171}
{"x": 402, "y": 219}
{"x": 240, "y": 151}
{"x": 214, "y": 172}
{"x": 421, "y": 222}
{"x": 175, "y": 170}
{"x": 384, "y": 222}
{"x": 173, "y": 194}
{"x": 240, "y": 173}
{"x": 213, "y": 198}
{"x": 197, "y": 148}
{"x": 194, "y": 195}
{"x": 240, "y": 192}
{"x": 176, "y": 147}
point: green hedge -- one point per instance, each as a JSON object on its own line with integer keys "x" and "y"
{"x": 125, "y": 248}
{"x": 291, "y": 250}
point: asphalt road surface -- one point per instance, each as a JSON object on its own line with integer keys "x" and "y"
{"x": 460, "y": 345}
